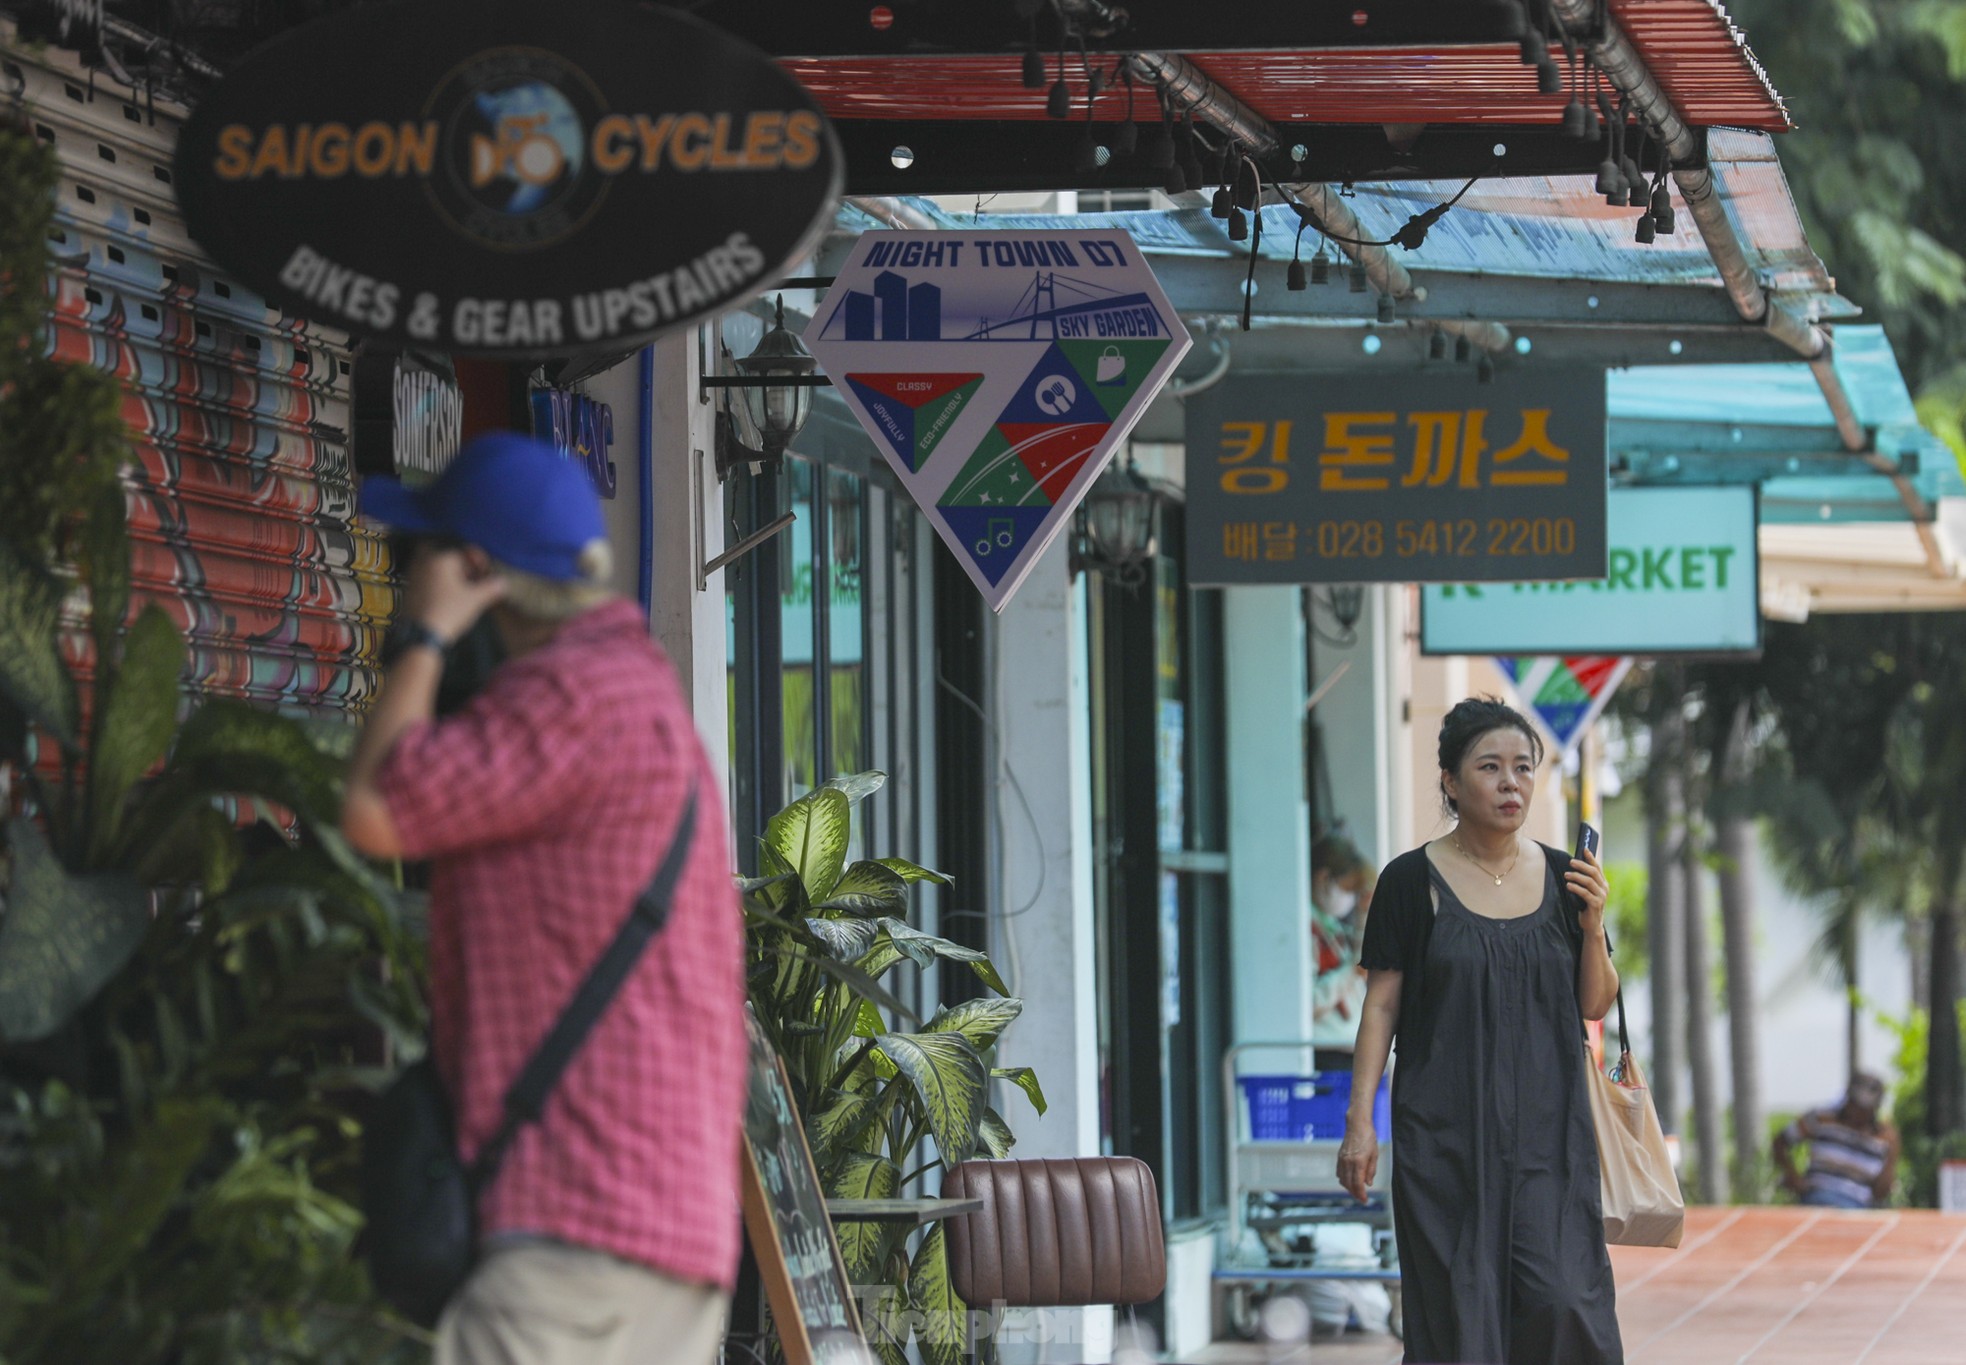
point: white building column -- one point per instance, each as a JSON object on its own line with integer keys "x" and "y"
{"x": 686, "y": 505}
{"x": 1269, "y": 817}
{"x": 1042, "y": 936}
{"x": 1355, "y": 721}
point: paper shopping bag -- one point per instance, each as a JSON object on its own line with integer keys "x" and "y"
{"x": 1642, "y": 1203}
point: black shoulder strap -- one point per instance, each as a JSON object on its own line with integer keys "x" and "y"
{"x": 1559, "y": 864}
{"x": 526, "y": 1100}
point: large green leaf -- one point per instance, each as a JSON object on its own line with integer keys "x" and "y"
{"x": 1026, "y": 1080}
{"x": 914, "y": 872}
{"x": 867, "y": 889}
{"x": 63, "y": 937}
{"x": 948, "y": 1074}
{"x": 138, "y": 715}
{"x": 863, "y": 1243}
{"x": 980, "y": 1021}
{"x": 922, "y": 949}
{"x": 779, "y": 889}
{"x": 994, "y": 1136}
{"x": 31, "y": 671}
{"x": 837, "y": 1128}
{"x": 858, "y": 787}
{"x": 941, "y": 1317}
{"x": 230, "y": 748}
{"x": 810, "y": 835}
{"x": 886, "y": 1325}
{"x": 846, "y": 939}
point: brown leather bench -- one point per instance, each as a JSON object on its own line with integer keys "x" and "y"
{"x": 1056, "y": 1233}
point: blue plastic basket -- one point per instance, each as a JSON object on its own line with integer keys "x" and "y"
{"x": 1308, "y": 1108}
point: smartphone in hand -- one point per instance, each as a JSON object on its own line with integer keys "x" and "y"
{"x": 1587, "y": 840}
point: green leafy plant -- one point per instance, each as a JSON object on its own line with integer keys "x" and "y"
{"x": 875, "y": 1098}
{"x": 184, "y": 998}
{"x": 1920, "y": 1153}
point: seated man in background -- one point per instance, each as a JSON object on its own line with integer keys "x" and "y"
{"x": 1853, "y": 1153}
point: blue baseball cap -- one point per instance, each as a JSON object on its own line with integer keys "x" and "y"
{"x": 516, "y": 498}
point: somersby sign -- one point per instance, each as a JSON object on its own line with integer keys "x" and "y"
{"x": 507, "y": 178}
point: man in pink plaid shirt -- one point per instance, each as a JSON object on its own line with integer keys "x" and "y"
{"x": 610, "y": 1234}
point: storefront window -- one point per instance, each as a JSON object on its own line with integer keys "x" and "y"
{"x": 799, "y": 643}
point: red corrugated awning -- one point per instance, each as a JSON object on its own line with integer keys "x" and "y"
{"x": 1690, "y": 46}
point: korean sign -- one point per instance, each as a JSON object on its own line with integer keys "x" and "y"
{"x": 1682, "y": 576}
{"x": 507, "y": 178}
{"x": 1418, "y": 477}
{"x": 997, "y": 372}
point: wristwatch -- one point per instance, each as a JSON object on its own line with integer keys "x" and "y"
{"x": 408, "y": 634}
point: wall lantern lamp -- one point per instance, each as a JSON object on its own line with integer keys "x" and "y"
{"x": 1116, "y": 530}
{"x": 774, "y": 397}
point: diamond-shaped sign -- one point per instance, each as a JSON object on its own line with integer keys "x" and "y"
{"x": 1566, "y": 695}
{"x": 997, "y": 372}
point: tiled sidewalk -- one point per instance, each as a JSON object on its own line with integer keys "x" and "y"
{"x": 1799, "y": 1287}
{"x": 1770, "y": 1286}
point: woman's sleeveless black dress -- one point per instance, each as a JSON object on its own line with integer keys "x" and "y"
{"x": 1496, "y": 1201}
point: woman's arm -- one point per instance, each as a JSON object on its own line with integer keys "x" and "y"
{"x": 1358, "y": 1155}
{"x": 1597, "y": 979}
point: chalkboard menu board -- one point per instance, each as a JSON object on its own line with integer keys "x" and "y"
{"x": 785, "y": 1215}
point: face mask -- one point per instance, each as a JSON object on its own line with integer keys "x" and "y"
{"x": 1338, "y": 902}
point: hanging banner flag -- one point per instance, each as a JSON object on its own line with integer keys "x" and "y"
{"x": 997, "y": 372}
{"x": 1566, "y": 695}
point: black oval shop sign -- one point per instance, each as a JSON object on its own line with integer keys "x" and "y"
{"x": 510, "y": 177}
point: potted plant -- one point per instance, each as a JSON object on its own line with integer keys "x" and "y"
{"x": 886, "y": 1097}
{"x": 184, "y": 998}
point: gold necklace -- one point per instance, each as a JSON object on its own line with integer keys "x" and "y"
{"x": 1456, "y": 836}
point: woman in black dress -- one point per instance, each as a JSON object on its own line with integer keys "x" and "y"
{"x": 1485, "y": 953}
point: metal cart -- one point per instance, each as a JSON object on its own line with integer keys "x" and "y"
{"x": 1284, "y": 1132}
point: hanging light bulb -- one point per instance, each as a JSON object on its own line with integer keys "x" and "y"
{"x": 1386, "y": 313}
{"x": 1437, "y": 346}
{"x": 1177, "y": 180}
{"x": 1610, "y": 180}
{"x": 1238, "y": 225}
{"x": 1085, "y": 156}
{"x": 1356, "y": 274}
{"x": 1293, "y": 278}
{"x": 1058, "y": 104}
{"x": 1662, "y": 214}
{"x": 1095, "y": 83}
{"x": 1463, "y": 350}
{"x": 1127, "y": 140}
{"x": 1219, "y": 206}
{"x": 1535, "y": 48}
{"x": 1485, "y": 370}
{"x": 1549, "y": 77}
{"x": 1576, "y": 119}
{"x": 1034, "y": 70}
{"x": 1320, "y": 267}
{"x": 1646, "y": 230}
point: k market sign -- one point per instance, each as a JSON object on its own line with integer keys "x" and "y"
{"x": 507, "y": 178}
